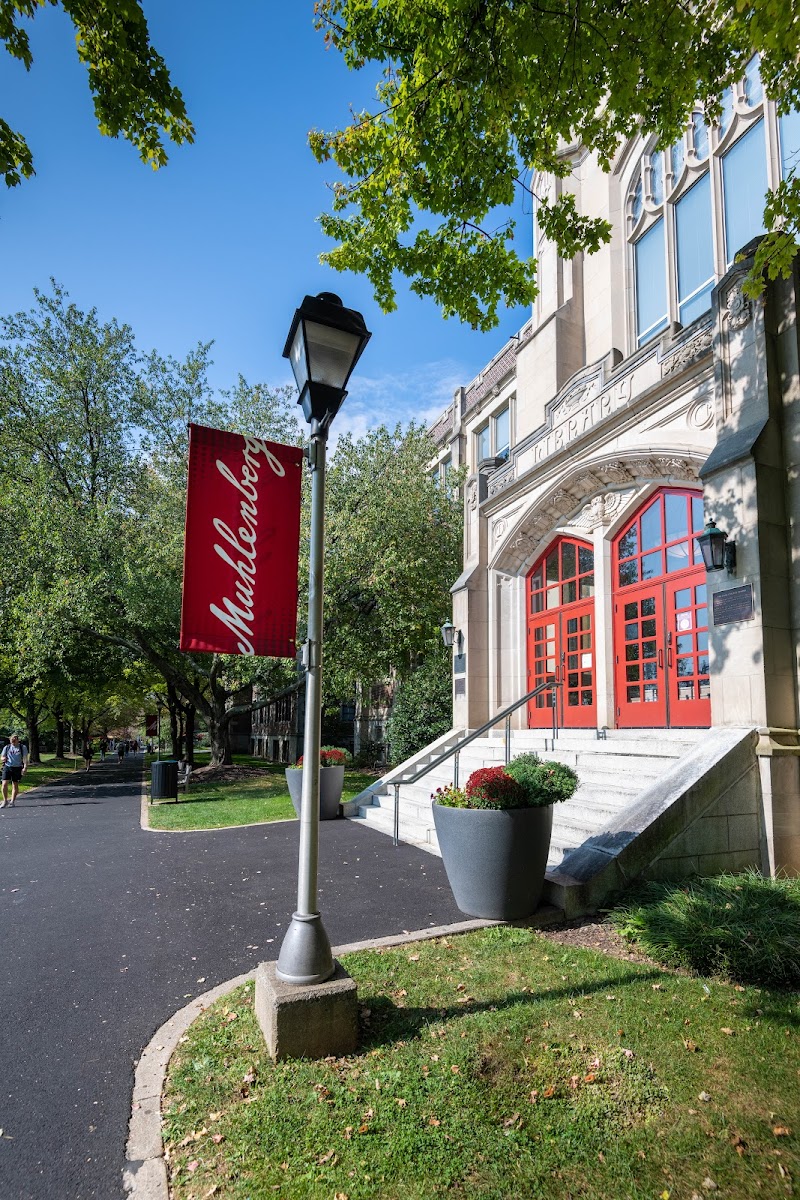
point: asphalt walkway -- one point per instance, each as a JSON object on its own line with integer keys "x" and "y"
{"x": 106, "y": 930}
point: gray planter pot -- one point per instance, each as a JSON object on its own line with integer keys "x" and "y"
{"x": 331, "y": 783}
{"x": 495, "y": 859}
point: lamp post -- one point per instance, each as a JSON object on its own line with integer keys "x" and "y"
{"x": 324, "y": 344}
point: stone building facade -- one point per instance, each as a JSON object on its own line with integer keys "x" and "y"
{"x": 646, "y": 396}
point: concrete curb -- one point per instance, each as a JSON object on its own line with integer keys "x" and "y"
{"x": 144, "y": 1176}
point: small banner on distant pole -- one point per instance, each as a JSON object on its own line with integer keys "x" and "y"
{"x": 151, "y": 725}
{"x": 242, "y": 545}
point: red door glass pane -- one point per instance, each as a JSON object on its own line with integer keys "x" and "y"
{"x": 661, "y": 631}
{"x": 561, "y": 634}
{"x": 639, "y": 659}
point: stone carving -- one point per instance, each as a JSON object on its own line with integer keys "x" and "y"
{"x": 701, "y": 414}
{"x": 664, "y": 466}
{"x": 601, "y": 509}
{"x": 688, "y": 353}
{"x": 575, "y": 400}
{"x": 738, "y": 308}
{"x": 472, "y": 495}
{"x": 499, "y": 529}
{"x": 501, "y": 480}
{"x": 616, "y": 472}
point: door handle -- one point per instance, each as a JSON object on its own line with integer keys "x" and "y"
{"x": 669, "y": 657}
{"x": 661, "y": 660}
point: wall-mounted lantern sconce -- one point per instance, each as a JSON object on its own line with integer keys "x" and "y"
{"x": 717, "y": 551}
{"x": 451, "y": 636}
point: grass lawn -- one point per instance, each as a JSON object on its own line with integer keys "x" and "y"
{"x": 499, "y": 1065}
{"x": 248, "y": 800}
{"x": 50, "y": 769}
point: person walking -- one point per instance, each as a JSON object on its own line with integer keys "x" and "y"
{"x": 120, "y": 751}
{"x": 14, "y": 759}
{"x": 88, "y": 752}
{"x": 103, "y": 748}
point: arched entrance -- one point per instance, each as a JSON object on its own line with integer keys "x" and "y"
{"x": 561, "y": 646}
{"x": 660, "y": 615}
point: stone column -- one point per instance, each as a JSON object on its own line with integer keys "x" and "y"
{"x": 751, "y": 482}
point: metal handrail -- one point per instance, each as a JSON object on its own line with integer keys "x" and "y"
{"x": 454, "y": 751}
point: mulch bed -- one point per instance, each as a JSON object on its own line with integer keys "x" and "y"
{"x": 592, "y": 934}
{"x": 229, "y": 774}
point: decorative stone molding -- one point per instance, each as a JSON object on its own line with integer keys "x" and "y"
{"x": 701, "y": 414}
{"x": 738, "y": 308}
{"x": 501, "y": 479}
{"x": 575, "y": 400}
{"x": 688, "y": 353}
{"x": 601, "y": 510}
{"x": 472, "y": 495}
{"x": 583, "y": 501}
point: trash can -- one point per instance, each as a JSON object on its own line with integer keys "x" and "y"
{"x": 164, "y": 780}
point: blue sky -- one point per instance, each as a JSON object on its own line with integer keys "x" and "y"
{"x": 223, "y": 243}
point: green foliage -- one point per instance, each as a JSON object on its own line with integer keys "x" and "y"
{"x": 477, "y": 104}
{"x": 423, "y": 707}
{"x": 128, "y": 79}
{"x": 542, "y": 782}
{"x": 743, "y": 927}
{"x": 393, "y": 550}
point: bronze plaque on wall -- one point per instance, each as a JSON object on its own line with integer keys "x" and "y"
{"x": 734, "y": 604}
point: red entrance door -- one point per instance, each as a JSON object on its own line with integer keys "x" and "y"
{"x": 660, "y": 616}
{"x": 561, "y": 634}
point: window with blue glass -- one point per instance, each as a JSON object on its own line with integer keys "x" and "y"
{"x": 694, "y": 250}
{"x": 694, "y": 205}
{"x": 744, "y": 181}
{"x": 651, "y": 283}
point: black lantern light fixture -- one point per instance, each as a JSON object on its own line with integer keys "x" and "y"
{"x": 324, "y": 344}
{"x": 451, "y": 636}
{"x": 718, "y": 552}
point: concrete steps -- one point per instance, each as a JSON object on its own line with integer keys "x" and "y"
{"x": 613, "y": 770}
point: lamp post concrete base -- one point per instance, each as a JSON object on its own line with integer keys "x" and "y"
{"x": 312, "y": 1021}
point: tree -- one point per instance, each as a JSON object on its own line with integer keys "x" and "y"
{"x": 129, "y": 80}
{"x": 479, "y": 96}
{"x": 393, "y": 551}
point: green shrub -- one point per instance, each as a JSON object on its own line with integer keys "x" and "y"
{"x": 542, "y": 782}
{"x": 423, "y": 708}
{"x": 743, "y": 927}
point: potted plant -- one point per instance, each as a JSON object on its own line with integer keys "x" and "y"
{"x": 494, "y": 835}
{"x": 332, "y": 762}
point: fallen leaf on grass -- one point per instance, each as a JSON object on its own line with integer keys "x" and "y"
{"x": 454, "y": 1069}
{"x": 329, "y": 1156}
{"x": 217, "y": 1138}
{"x": 691, "y": 1046}
{"x": 704, "y": 1096}
{"x": 413, "y": 958}
{"x": 232, "y": 1016}
{"x": 348, "y": 1133}
{"x": 434, "y": 1121}
{"x": 600, "y": 1156}
{"x": 628, "y": 1054}
{"x": 548, "y": 1092}
{"x": 512, "y": 1120}
{"x": 401, "y": 1103}
{"x": 709, "y": 1185}
{"x": 363, "y": 1128}
{"x": 728, "y": 1031}
{"x": 739, "y": 1144}
{"x": 192, "y": 1166}
{"x": 781, "y": 1130}
{"x": 590, "y": 1078}
{"x": 534, "y": 1096}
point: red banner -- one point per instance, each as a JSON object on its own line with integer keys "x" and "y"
{"x": 242, "y": 545}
